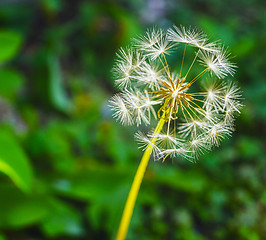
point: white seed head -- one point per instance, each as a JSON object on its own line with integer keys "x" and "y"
{"x": 154, "y": 85}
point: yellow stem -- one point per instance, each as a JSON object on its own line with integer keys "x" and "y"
{"x": 132, "y": 196}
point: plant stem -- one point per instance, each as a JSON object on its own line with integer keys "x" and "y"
{"x": 132, "y": 196}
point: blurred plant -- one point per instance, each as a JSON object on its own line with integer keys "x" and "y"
{"x": 204, "y": 117}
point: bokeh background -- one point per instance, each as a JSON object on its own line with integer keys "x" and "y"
{"x": 66, "y": 166}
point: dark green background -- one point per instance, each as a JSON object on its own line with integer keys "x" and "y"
{"x": 75, "y": 163}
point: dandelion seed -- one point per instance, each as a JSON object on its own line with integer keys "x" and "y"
{"x": 149, "y": 74}
{"x": 145, "y": 141}
{"x": 127, "y": 62}
{"x": 147, "y": 41}
{"x": 197, "y": 146}
{"x": 193, "y": 128}
{"x": 174, "y": 153}
{"x": 217, "y": 62}
{"x": 136, "y": 107}
{"x": 167, "y": 140}
{"x": 121, "y": 110}
{"x": 216, "y": 133}
{"x": 232, "y": 97}
{"x": 214, "y": 100}
{"x": 183, "y": 35}
{"x": 191, "y": 37}
{"x": 223, "y": 58}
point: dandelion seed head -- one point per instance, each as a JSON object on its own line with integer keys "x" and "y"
{"x": 154, "y": 86}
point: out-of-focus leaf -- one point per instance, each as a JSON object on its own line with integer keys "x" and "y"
{"x": 129, "y": 26}
{"x": 93, "y": 183}
{"x": 14, "y": 162}
{"x": 52, "y": 5}
{"x": 10, "y": 42}
{"x": 117, "y": 143}
{"x": 62, "y": 219}
{"x": 212, "y": 28}
{"x": 263, "y": 198}
{"x": 187, "y": 181}
{"x": 10, "y": 82}
{"x": 18, "y": 209}
{"x": 57, "y": 93}
{"x": 53, "y": 144}
{"x": 105, "y": 188}
{"x": 249, "y": 234}
{"x": 244, "y": 47}
{"x": 249, "y": 148}
{"x": 106, "y": 211}
{"x": 2, "y": 237}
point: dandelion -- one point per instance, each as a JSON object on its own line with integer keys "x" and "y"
{"x": 191, "y": 119}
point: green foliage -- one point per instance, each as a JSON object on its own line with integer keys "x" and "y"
{"x": 63, "y": 219}
{"x": 14, "y": 162}
{"x": 10, "y": 42}
{"x": 54, "y": 91}
{"x": 11, "y": 82}
{"x": 57, "y": 94}
{"x": 19, "y": 210}
{"x": 2, "y": 237}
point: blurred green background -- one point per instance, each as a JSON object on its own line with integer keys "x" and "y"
{"x": 66, "y": 166}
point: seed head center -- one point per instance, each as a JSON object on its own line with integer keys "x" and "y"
{"x": 175, "y": 93}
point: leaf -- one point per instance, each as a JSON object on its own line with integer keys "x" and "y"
{"x": 19, "y": 210}
{"x": 244, "y": 47}
{"x": 52, "y": 5}
{"x": 14, "y": 162}
{"x": 2, "y": 237}
{"x": 93, "y": 183}
{"x": 223, "y": 32}
{"x": 188, "y": 181}
{"x": 10, "y": 42}
{"x": 105, "y": 187}
{"x": 10, "y": 82}
{"x": 106, "y": 211}
{"x": 249, "y": 148}
{"x": 57, "y": 93}
{"x": 63, "y": 219}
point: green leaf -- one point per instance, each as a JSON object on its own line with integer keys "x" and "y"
{"x": 244, "y": 47}
{"x": 63, "y": 219}
{"x": 249, "y": 148}
{"x": 10, "y": 82}
{"x": 106, "y": 211}
{"x": 2, "y": 237}
{"x": 52, "y": 5}
{"x": 19, "y": 210}
{"x": 212, "y": 28}
{"x": 14, "y": 162}
{"x": 93, "y": 183}
{"x": 189, "y": 181}
{"x": 10, "y": 42}
{"x": 57, "y": 93}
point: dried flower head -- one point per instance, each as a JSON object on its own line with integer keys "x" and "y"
{"x": 154, "y": 86}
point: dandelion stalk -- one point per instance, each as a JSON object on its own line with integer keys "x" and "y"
{"x": 147, "y": 80}
{"x": 132, "y": 196}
